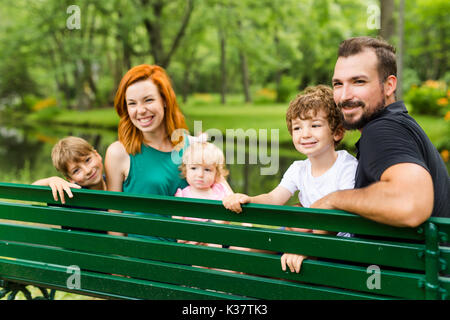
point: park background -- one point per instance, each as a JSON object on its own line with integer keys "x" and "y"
{"x": 234, "y": 65}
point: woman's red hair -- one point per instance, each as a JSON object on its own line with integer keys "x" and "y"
{"x": 130, "y": 136}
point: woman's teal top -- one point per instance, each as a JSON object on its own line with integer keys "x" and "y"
{"x": 155, "y": 172}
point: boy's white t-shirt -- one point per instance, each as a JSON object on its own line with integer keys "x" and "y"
{"x": 340, "y": 176}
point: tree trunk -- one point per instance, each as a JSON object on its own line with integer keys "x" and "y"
{"x": 278, "y": 72}
{"x": 387, "y": 19}
{"x": 186, "y": 84}
{"x": 223, "y": 67}
{"x": 401, "y": 36}
{"x": 245, "y": 77}
{"x": 154, "y": 30}
{"x": 181, "y": 32}
{"x": 244, "y": 66}
{"x": 123, "y": 37}
{"x": 443, "y": 60}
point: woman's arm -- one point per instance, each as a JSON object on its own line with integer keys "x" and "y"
{"x": 117, "y": 166}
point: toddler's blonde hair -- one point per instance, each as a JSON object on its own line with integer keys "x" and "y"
{"x": 205, "y": 153}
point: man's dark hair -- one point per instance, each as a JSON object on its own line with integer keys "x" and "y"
{"x": 385, "y": 53}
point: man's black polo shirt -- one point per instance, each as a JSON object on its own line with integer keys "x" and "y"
{"x": 395, "y": 137}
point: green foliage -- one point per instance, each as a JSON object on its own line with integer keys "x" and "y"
{"x": 285, "y": 42}
{"x": 287, "y": 89}
{"x": 46, "y": 114}
{"x": 410, "y": 79}
{"x": 429, "y": 99}
{"x": 426, "y": 37}
{"x": 265, "y": 95}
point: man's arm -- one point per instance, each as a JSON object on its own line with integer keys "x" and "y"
{"x": 403, "y": 197}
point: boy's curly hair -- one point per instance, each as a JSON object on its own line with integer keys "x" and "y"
{"x": 308, "y": 103}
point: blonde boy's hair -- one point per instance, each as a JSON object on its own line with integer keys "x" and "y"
{"x": 204, "y": 153}
{"x": 70, "y": 149}
{"x": 310, "y": 102}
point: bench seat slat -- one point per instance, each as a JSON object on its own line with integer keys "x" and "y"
{"x": 352, "y": 249}
{"x": 237, "y": 284}
{"x": 332, "y": 220}
{"x": 56, "y": 277}
{"x": 319, "y": 272}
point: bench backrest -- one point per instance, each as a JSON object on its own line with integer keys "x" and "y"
{"x": 380, "y": 262}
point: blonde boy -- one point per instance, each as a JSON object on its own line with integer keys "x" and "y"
{"x": 315, "y": 124}
{"x": 80, "y": 164}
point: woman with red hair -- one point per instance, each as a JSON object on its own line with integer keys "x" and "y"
{"x": 142, "y": 160}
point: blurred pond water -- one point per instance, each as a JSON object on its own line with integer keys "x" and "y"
{"x": 25, "y": 156}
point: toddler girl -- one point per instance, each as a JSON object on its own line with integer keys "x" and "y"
{"x": 203, "y": 167}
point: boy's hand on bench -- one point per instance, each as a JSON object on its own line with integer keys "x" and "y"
{"x": 233, "y": 201}
{"x": 58, "y": 186}
{"x": 293, "y": 261}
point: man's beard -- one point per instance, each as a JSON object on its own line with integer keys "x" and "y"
{"x": 367, "y": 115}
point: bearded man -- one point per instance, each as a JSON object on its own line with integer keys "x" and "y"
{"x": 401, "y": 179}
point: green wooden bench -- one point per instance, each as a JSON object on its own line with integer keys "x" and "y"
{"x": 35, "y": 251}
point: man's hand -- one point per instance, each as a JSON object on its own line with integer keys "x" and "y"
{"x": 324, "y": 203}
{"x": 233, "y": 201}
